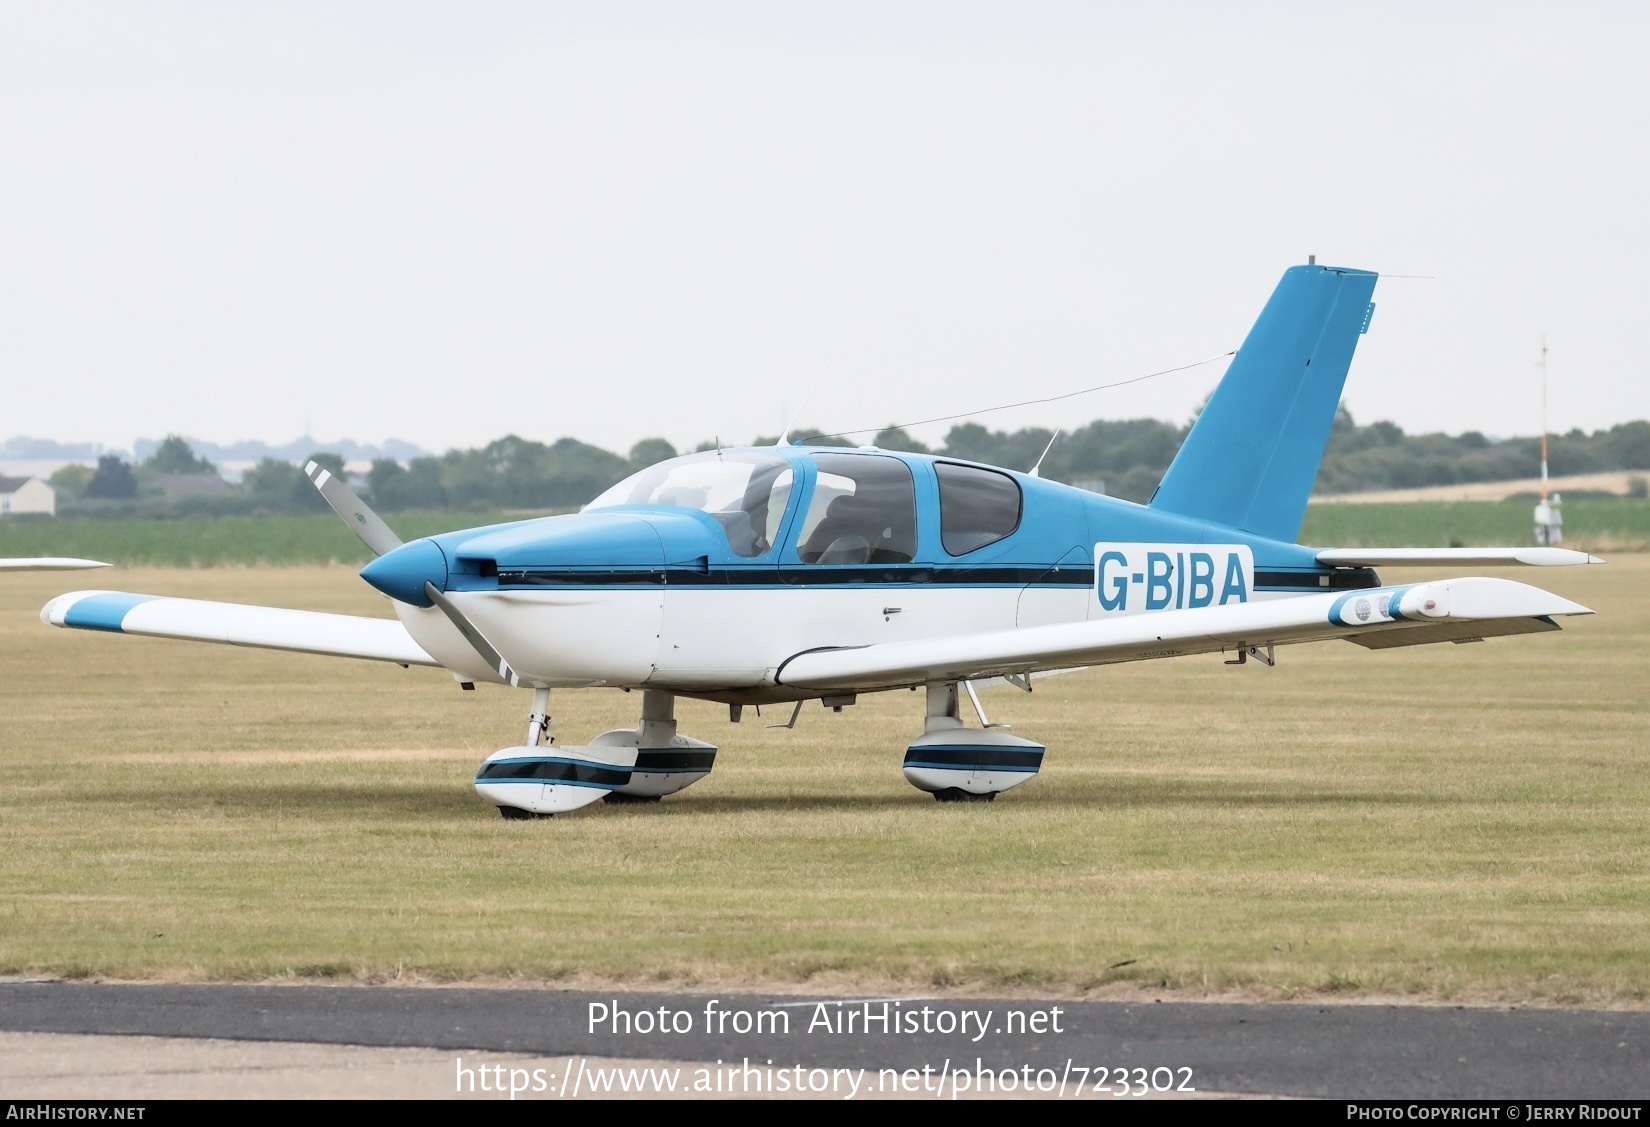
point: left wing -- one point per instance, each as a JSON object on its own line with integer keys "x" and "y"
{"x": 1444, "y": 610}
{"x": 236, "y": 624}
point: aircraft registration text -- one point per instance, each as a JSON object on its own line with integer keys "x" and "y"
{"x": 1131, "y": 578}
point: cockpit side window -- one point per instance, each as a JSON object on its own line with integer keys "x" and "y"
{"x": 863, "y": 510}
{"x": 977, "y": 507}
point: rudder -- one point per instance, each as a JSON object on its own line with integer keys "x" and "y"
{"x": 1252, "y": 456}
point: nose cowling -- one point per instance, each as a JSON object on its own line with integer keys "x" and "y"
{"x": 402, "y": 573}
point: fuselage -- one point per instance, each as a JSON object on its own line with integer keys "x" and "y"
{"x": 703, "y": 575}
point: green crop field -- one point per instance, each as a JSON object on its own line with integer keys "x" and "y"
{"x": 1601, "y": 524}
{"x": 214, "y": 541}
{"x": 1604, "y": 524}
{"x": 1447, "y": 822}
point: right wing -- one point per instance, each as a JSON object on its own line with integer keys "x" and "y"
{"x": 236, "y": 624}
{"x": 49, "y": 563}
{"x": 1378, "y": 618}
{"x": 1456, "y": 557}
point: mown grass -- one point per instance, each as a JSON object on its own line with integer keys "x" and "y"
{"x": 1448, "y": 822}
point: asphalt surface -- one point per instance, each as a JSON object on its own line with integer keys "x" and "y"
{"x": 1363, "y": 1051}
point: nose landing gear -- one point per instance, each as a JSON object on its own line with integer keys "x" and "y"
{"x": 541, "y": 779}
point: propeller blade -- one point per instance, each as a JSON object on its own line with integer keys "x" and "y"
{"x": 365, "y": 523}
{"x": 472, "y": 634}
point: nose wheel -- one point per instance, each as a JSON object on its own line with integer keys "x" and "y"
{"x": 957, "y": 794}
{"x": 631, "y": 765}
{"x": 517, "y": 814}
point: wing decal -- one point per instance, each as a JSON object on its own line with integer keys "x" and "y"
{"x": 102, "y": 611}
{"x": 236, "y": 624}
{"x": 1357, "y": 615}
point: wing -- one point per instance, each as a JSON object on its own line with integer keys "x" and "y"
{"x": 1458, "y": 557}
{"x": 49, "y": 563}
{"x": 274, "y": 628}
{"x": 1445, "y": 610}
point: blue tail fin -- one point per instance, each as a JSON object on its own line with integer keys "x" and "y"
{"x": 1253, "y": 453}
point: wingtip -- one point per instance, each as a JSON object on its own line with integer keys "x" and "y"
{"x": 48, "y": 614}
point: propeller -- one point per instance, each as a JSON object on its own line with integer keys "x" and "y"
{"x": 365, "y": 523}
{"x": 472, "y": 634}
{"x": 380, "y": 539}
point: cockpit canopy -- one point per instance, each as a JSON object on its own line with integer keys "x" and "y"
{"x": 863, "y": 507}
{"x": 745, "y": 492}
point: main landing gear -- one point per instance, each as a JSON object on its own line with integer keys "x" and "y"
{"x": 641, "y": 764}
{"x": 541, "y": 778}
{"x": 958, "y": 764}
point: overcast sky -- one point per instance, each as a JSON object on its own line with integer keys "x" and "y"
{"x": 449, "y": 221}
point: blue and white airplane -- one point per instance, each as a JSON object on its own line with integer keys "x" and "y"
{"x": 787, "y": 574}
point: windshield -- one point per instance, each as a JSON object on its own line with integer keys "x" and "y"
{"x": 746, "y": 493}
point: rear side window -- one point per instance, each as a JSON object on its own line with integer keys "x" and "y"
{"x": 977, "y": 507}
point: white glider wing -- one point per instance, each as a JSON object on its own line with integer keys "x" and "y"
{"x": 1444, "y": 610}
{"x": 1456, "y": 557}
{"x": 236, "y": 624}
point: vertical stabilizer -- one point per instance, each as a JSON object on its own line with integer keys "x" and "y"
{"x": 1251, "y": 457}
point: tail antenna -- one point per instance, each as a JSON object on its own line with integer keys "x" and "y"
{"x": 1044, "y": 454}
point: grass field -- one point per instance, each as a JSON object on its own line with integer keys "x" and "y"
{"x": 1607, "y": 524}
{"x": 1443, "y": 823}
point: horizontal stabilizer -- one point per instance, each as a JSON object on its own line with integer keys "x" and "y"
{"x": 236, "y": 624}
{"x": 1475, "y": 603}
{"x": 1457, "y": 557}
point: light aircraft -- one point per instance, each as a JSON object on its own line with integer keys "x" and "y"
{"x": 785, "y": 574}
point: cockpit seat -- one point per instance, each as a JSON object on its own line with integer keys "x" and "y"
{"x": 854, "y": 531}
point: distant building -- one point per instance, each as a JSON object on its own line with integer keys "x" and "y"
{"x": 191, "y": 484}
{"x": 27, "y": 495}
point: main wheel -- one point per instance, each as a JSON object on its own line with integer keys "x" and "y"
{"x": 957, "y": 794}
{"x": 517, "y": 814}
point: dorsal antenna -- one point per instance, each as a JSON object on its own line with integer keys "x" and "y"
{"x": 1044, "y": 454}
{"x": 785, "y": 436}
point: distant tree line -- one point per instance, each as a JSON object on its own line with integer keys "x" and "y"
{"x": 1124, "y": 458}
{"x": 1130, "y": 456}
